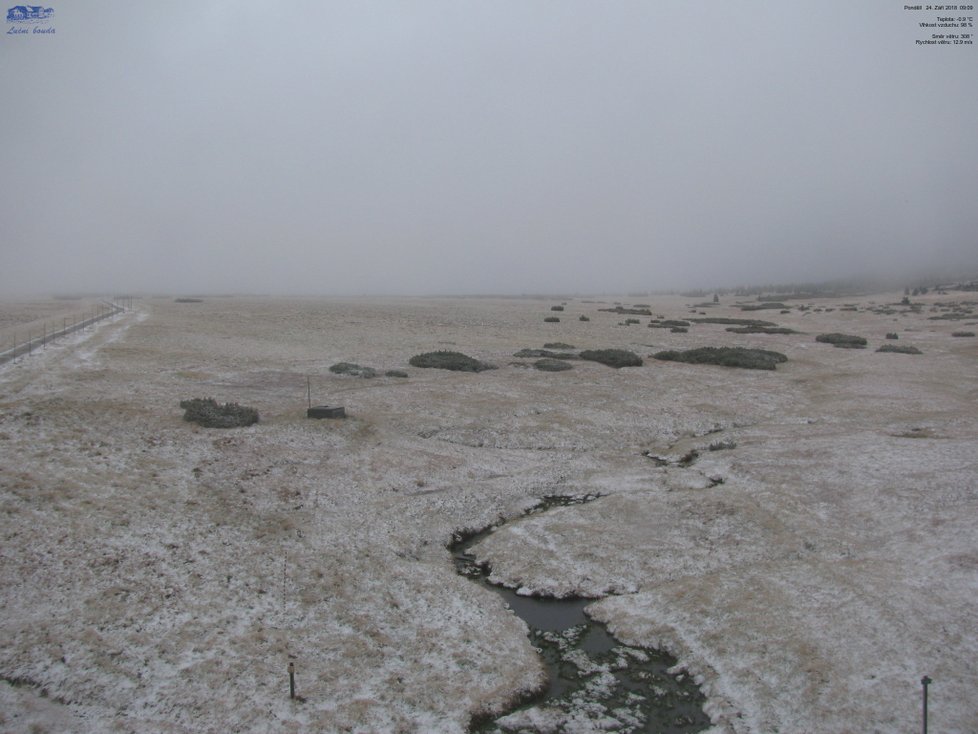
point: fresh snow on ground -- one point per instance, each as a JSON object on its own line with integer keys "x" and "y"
{"x": 158, "y": 576}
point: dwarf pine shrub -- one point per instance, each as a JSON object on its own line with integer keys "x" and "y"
{"x": 543, "y": 353}
{"x": 616, "y": 358}
{"x": 552, "y": 365}
{"x": 209, "y": 413}
{"x": 354, "y": 370}
{"x": 722, "y": 445}
{"x": 734, "y": 322}
{"x": 760, "y": 330}
{"x": 448, "y": 360}
{"x": 752, "y": 359}
{"x": 845, "y": 341}
{"x": 899, "y": 348}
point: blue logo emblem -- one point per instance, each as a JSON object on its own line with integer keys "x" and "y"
{"x": 28, "y": 14}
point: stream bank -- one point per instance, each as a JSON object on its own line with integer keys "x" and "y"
{"x": 593, "y": 678}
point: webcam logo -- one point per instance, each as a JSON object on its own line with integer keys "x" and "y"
{"x": 37, "y": 16}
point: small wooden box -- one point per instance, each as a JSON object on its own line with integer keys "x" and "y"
{"x": 326, "y": 411}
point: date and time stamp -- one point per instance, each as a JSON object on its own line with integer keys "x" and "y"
{"x": 943, "y": 25}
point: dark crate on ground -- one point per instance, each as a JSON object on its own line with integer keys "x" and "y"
{"x": 326, "y": 411}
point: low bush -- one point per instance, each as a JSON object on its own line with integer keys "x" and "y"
{"x": 845, "y": 341}
{"x": 552, "y": 320}
{"x": 209, "y": 413}
{"x": 679, "y": 330}
{"x": 396, "y": 373}
{"x": 552, "y": 365}
{"x": 892, "y": 335}
{"x": 760, "y": 330}
{"x": 962, "y": 333}
{"x": 722, "y": 445}
{"x": 354, "y": 370}
{"x": 448, "y": 360}
{"x": 558, "y": 345}
{"x": 629, "y": 311}
{"x": 753, "y": 359}
{"x": 543, "y": 353}
{"x": 733, "y": 322}
{"x": 612, "y": 357}
{"x": 582, "y": 317}
{"x": 556, "y": 308}
{"x": 899, "y": 349}
{"x": 631, "y": 321}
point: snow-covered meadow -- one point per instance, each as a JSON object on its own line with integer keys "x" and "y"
{"x": 158, "y": 576}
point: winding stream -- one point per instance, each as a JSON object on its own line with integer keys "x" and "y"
{"x": 593, "y": 677}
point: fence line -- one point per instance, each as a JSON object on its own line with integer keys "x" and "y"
{"x": 103, "y": 310}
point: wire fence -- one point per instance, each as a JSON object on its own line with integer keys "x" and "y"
{"x": 31, "y": 339}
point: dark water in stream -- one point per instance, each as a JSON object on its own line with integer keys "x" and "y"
{"x": 593, "y": 677}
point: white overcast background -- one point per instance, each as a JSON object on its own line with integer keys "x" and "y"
{"x": 454, "y": 147}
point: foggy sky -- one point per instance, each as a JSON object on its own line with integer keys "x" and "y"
{"x": 474, "y": 147}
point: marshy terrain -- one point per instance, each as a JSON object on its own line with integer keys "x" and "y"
{"x": 792, "y": 522}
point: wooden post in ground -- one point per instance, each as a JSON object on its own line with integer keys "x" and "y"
{"x": 925, "y": 681}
